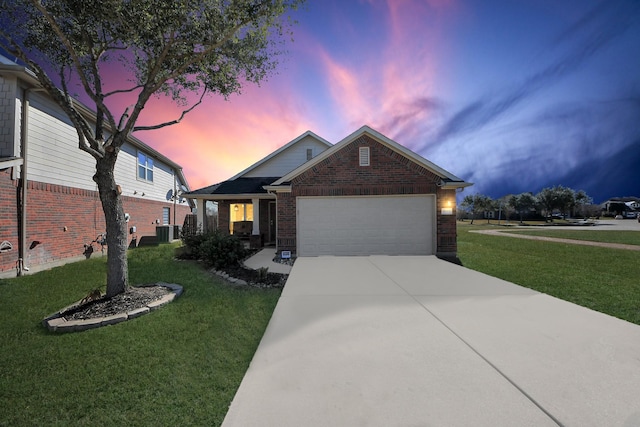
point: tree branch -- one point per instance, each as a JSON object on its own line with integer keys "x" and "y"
{"x": 172, "y": 122}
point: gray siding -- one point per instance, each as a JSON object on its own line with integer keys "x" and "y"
{"x": 54, "y": 157}
{"x": 289, "y": 159}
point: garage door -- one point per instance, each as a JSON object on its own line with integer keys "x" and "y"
{"x": 397, "y": 225}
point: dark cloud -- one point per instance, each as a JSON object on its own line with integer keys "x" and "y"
{"x": 595, "y": 31}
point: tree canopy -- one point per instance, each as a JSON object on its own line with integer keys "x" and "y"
{"x": 181, "y": 49}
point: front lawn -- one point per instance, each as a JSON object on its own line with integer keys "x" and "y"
{"x": 180, "y": 365}
{"x": 603, "y": 279}
{"x": 607, "y": 236}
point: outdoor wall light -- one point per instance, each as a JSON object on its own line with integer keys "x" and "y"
{"x": 235, "y": 208}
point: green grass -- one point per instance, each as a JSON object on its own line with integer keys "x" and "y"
{"x": 180, "y": 365}
{"x": 606, "y": 236}
{"x": 602, "y": 279}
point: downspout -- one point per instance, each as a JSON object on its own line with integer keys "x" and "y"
{"x": 175, "y": 197}
{"x": 22, "y": 232}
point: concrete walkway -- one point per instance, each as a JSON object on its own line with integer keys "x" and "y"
{"x": 264, "y": 258}
{"x": 557, "y": 239}
{"x": 417, "y": 341}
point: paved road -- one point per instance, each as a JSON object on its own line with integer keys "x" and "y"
{"x": 416, "y": 341}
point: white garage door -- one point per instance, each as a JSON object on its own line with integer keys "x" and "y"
{"x": 396, "y": 225}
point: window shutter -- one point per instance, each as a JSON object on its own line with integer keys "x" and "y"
{"x": 364, "y": 156}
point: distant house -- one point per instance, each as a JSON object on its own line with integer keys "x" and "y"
{"x": 50, "y": 207}
{"x": 364, "y": 195}
{"x": 625, "y": 206}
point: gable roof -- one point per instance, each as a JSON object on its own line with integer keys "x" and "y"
{"x": 449, "y": 180}
{"x": 280, "y": 150}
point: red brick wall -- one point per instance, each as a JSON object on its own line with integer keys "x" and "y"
{"x": 8, "y": 219}
{"x": 62, "y": 219}
{"x": 390, "y": 173}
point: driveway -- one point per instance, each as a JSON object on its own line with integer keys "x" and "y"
{"x": 416, "y": 341}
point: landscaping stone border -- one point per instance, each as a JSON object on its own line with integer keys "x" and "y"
{"x": 57, "y": 323}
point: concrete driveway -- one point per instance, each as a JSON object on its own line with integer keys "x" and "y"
{"x": 417, "y": 341}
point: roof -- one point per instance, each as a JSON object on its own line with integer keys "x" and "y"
{"x": 280, "y": 150}
{"x": 236, "y": 186}
{"x": 449, "y": 180}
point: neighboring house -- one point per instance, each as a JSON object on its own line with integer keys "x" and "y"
{"x": 626, "y": 206}
{"x": 365, "y": 195}
{"x": 50, "y": 207}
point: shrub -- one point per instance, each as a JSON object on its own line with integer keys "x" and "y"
{"x": 220, "y": 251}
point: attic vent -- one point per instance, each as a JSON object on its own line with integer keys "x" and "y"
{"x": 364, "y": 156}
{"x": 309, "y": 153}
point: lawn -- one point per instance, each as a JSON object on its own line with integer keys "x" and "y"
{"x": 606, "y": 280}
{"x": 609, "y": 236}
{"x": 180, "y": 365}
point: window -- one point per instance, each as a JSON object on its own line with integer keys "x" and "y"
{"x": 364, "y": 156}
{"x": 145, "y": 167}
{"x": 166, "y": 215}
{"x": 239, "y": 212}
{"x": 309, "y": 153}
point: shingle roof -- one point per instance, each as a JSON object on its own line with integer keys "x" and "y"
{"x": 237, "y": 186}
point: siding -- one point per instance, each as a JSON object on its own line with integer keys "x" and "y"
{"x": 54, "y": 157}
{"x": 8, "y": 119}
{"x": 289, "y": 159}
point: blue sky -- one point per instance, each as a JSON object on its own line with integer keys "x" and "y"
{"x": 512, "y": 95}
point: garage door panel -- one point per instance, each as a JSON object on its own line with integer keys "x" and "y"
{"x": 402, "y": 225}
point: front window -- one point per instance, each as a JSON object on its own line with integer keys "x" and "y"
{"x": 145, "y": 167}
{"x": 240, "y": 213}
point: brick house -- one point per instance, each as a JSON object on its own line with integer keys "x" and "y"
{"x": 49, "y": 204}
{"x": 364, "y": 195}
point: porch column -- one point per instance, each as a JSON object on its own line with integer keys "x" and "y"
{"x": 256, "y": 216}
{"x": 256, "y": 238}
{"x": 200, "y": 214}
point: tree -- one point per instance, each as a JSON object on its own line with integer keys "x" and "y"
{"x": 476, "y": 204}
{"x": 558, "y": 197}
{"x": 522, "y": 203}
{"x": 159, "y": 47}
{"x": 582, "y": 199}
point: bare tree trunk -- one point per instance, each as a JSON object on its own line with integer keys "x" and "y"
{"x": 117, "y": 267}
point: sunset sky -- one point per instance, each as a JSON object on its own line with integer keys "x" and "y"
{"x": 512, "y": 95}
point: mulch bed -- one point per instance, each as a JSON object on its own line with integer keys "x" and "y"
{"x": 132, "y": 299}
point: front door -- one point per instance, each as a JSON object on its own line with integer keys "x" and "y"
{"x": 272, "y": 222}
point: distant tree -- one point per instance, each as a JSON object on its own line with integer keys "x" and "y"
{"x": 558, "y": 197}
{"x": 476, "y": 204}
{"x": 153, "y": 48}
{"x": 504, "y": 208}
{"x": 582, "y": 201}
{"x": 523, "y": 203}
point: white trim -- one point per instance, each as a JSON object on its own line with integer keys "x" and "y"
{"x": 364, "y": 156}
{"x": 366, "y": 130}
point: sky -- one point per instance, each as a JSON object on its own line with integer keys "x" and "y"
{"x": 511, "y": 95}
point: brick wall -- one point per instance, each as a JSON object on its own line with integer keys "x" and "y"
{"x": 61, "y": 220}
{"x": 8, "y": 219}
{"x": 390, "y": 173}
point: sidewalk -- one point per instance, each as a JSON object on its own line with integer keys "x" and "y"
{"x": 264, "y": 258}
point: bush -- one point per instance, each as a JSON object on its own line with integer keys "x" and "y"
{"x": 220, "y": 251}
{"x": 215, "y": 249}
